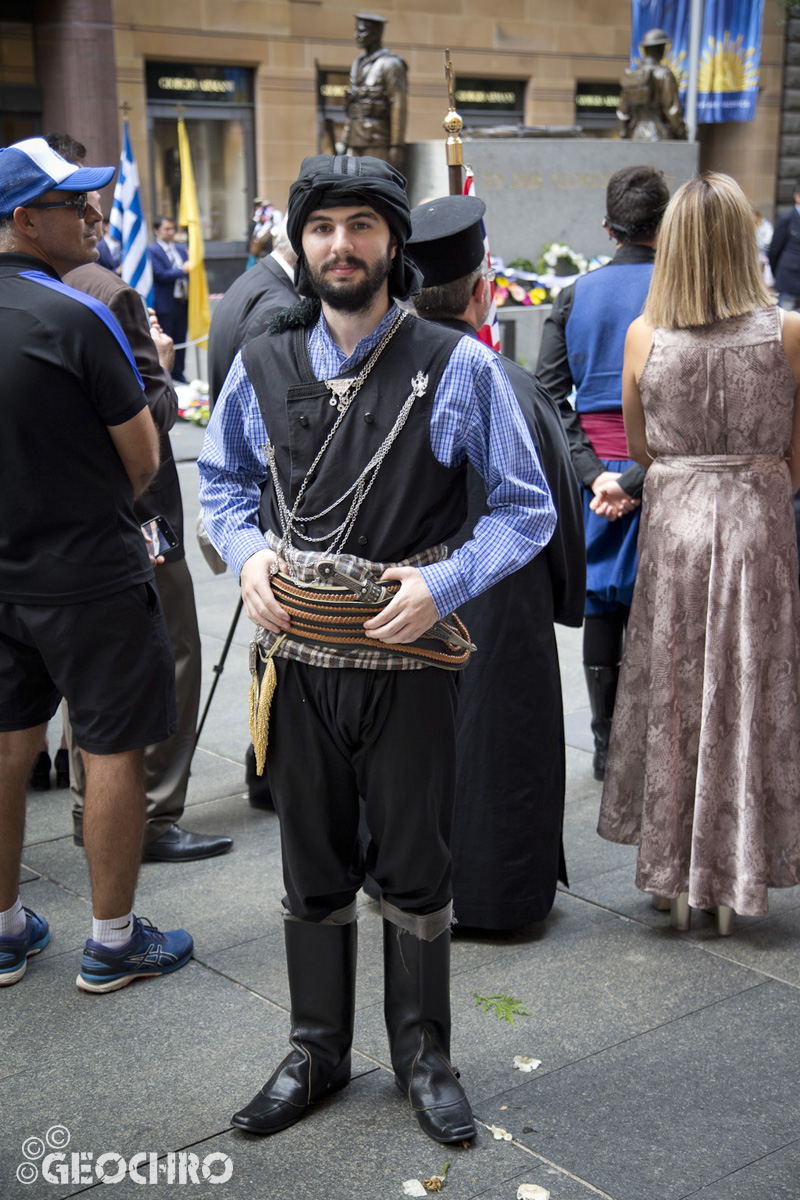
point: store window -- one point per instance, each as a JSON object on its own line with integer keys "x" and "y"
{"x": 596, "y": 105}
{"x": 216, "y": 103}
{"x": 20, "y": 96}
{"x": 331, "y": 89}
{"x": 219, "y": 163}
{"x": 485, "y": 102}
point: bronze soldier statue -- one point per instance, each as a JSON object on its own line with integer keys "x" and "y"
{"x": 649, "y": 106}
{"x": 375, "y": 103}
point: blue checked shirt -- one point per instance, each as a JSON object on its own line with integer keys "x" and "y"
{"x": 474, "y": 416}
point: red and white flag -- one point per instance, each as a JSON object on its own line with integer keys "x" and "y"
{"x": 490, "y": 331}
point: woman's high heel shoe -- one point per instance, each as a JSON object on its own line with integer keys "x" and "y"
{"x": 724, "y": 920}
{"x": 680, "y": 913}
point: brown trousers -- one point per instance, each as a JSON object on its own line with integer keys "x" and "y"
{"x": 166, "y": 764}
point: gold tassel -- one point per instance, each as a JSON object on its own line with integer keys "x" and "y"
{"x": 261, "y": 701}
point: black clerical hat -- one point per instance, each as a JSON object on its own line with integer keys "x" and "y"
{"x": 446, "y": 240}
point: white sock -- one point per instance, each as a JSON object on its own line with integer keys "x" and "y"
{"x": 13, "y": 920}
{"x": 113, "y": 933}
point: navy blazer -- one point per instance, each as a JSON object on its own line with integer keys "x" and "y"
{"x": 164, "y": 276}
{"x": 108, "y": 259}
{"x": 784, "y": 253}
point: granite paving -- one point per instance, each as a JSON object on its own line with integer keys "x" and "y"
{"x": 669, "y": 1061}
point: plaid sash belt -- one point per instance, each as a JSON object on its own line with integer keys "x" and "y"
{"x": 327, "y": 614}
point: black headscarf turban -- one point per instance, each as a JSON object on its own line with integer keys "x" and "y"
{"x": 338, "y": 181}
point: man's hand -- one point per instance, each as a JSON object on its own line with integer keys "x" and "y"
{"x": 409, "y": 614}
{"x": 610, "y": 501}
{"x": 259, "y": 603}
{"x": 165, "y": 347}
{"x": 154, "y": 562}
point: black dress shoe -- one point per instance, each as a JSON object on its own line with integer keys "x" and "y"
{"x": 179, "y": 845}
{"x": 61, "y": 764}
{"x": 40, "y": 775}
{"x": 258, "y": 790}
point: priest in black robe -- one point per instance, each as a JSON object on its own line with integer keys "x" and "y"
{"x": 507, "y": 844}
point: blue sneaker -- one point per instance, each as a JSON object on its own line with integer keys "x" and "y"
{"x": 147, "y": 952}
{"x": 15, "y": 951}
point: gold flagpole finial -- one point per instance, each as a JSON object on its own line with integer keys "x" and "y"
{"x": 180, "y": 109}
{"x": 453, "y": 125}
{"x": 125, "y": 108}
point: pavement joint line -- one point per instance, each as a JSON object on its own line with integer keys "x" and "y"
{"x": 62, "y": 887}
{"x": 741, "y": 1167}
{"x": 225, "y": 757}
{"x": 707, "y": 947}
{"x": 237, "y": 983}
{"x": 549, "y": 1162}
{"x": 633, "y": 1037}
{"x": 767, "y": 977}
{"x": 213, "y": 800}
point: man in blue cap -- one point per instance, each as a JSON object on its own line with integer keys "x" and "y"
{"x": 79, "y": 616}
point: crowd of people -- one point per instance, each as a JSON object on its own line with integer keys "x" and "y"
{"x": 408, "y": 514}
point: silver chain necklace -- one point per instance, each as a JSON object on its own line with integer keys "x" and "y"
{"x": 341, "y": 395}
{"x": 344, "y": 392}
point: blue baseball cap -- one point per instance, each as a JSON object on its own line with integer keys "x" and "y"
{"x": 29, "y": 169}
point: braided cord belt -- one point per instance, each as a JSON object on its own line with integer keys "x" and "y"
{"x": 336, "y": 617}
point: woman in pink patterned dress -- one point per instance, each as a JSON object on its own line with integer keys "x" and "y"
{"x": 704, "y": 763}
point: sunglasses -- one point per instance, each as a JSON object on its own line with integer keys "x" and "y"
{"x": 80, "y": 203}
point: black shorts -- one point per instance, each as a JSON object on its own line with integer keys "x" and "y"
{"x": 110, "y": 658}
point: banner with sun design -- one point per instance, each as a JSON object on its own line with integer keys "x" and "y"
{"x": 730, "y": 56}
{"x": 730, "y": 52}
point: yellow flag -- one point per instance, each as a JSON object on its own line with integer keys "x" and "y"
{"x": 189, "y": 216}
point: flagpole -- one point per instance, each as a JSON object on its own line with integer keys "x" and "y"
{"x": 695, "y": 36}
{"x": 453, "y": 124}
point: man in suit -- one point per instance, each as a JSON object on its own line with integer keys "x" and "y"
{"x": 170, "y": 287}
{"x": 110, "y": 251}
{"x": 784, "y": 254}
{"x": 242, "y": 312}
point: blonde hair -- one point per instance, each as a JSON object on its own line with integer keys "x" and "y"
{"x": 706, "y": 266}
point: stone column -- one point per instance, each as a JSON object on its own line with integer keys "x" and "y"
{"x": 76, "y": 71}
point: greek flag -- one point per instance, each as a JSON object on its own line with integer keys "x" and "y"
{"x": 127, "y": 225}
{"x": 489, "y": 332}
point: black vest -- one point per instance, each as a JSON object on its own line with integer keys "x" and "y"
{"x": 415, "y": 501}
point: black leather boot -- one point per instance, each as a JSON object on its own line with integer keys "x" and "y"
{"x": 417, "y": 1008}
{"x": 602, "y": 685}
{"x": 321, "y": 962}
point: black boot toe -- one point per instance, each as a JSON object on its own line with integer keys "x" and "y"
{"x": 264, "y": 1115}
{"x": 449, "y": 1123}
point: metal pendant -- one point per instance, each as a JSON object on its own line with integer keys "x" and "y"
{"x": 340, "y": 389}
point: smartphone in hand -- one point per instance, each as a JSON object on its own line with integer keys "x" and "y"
{"x": 161, "y": 535}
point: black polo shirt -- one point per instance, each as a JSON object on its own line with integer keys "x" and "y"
{"x": 67, "y": 527}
